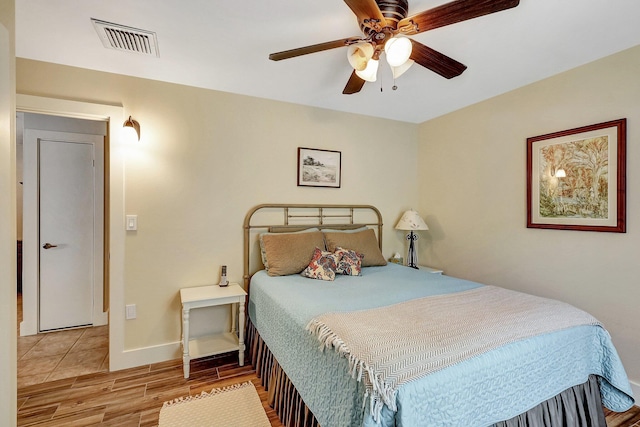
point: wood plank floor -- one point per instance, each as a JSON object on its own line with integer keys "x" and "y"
{"x": 631, "y": 418}
{"x": 133, "y": 397}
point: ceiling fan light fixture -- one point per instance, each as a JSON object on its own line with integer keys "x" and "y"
{"x": 401, "y": 69}
{"x": 398, "y": 50}
{"x": 370, "y": 73}
{"x": 359, "y": 55}
{"x": 385, "y": 25}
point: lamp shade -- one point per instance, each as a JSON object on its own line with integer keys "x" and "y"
{"x": 411, "y": 220}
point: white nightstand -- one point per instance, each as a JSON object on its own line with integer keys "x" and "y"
{"x": 430, "y": 270}
{"x": 209, "y": 296}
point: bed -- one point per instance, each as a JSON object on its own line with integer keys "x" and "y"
{"x": 323, "y": 348}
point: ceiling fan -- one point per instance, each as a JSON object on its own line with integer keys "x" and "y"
{"x": 385, "y": 24}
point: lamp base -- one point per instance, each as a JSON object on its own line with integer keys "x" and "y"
{"x": 412, "y": 255}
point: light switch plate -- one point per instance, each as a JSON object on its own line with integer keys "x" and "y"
{"x": 131, "y": 222}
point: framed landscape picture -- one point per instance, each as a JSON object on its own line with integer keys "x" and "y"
{"x": 319, "y": 168}
{"x": 576, "y": 179}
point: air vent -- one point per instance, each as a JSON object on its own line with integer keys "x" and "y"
{"x": 120, "y": 37}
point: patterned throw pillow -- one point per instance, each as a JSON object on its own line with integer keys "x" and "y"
{"x": 322, "y": 266}
{"x": 349, "y": 262}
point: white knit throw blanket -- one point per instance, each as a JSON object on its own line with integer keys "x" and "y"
{"x": 389, "y": 346}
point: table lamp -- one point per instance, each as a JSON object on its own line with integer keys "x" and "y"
{"x": 411, "y": 222}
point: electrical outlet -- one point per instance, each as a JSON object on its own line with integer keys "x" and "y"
{"x": 130, "y": 311}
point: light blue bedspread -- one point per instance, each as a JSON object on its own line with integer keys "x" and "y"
{"x": 477, "y": 392}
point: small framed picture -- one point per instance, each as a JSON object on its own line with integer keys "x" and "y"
{"x": 319, "y": 168}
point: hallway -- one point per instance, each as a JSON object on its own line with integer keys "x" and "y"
{"x": 63, "y": 354}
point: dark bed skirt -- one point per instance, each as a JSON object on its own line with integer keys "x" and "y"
{"x": 579, "y": 406}
{"x": 282, "y": 396}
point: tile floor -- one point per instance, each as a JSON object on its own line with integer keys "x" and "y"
{"x": 62, "y": 354}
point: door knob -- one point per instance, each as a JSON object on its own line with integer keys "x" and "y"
{"x": 49, "y": 246}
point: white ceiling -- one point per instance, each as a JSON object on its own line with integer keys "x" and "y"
{"x": 224, "y": 45}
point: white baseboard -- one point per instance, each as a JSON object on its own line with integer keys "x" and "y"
{"x": 27, "y": 328}
{"x": 145, "y": 356}
{"x": 101, "y": 319}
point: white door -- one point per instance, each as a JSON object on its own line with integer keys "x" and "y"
{"x": 67, "y": 232}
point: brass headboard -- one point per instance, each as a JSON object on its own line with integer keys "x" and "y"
{"x": 294, "y": 217}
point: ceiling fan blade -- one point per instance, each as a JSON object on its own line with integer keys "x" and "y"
{"x": 436, "y": 61}
{"x": 354, "y": 85}
{"x": 366, "y": 10}
{"x": 450, "y": 13}
{"x": 286, "y": 54}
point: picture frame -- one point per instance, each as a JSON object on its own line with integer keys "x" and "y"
{"x": 576, "y": 178}
{"x": 319, "y": 168}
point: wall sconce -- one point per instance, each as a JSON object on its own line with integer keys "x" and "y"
{"x": 131, "y": 130}
{"x": 411, "y": 221}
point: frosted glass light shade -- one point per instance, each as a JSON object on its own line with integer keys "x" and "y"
{"x": 560, "y": 173}
{"x": 370, "y": 73}
{"x": 400, "y": 70}
{"x": 359, "y": 55}
{"x": 398, "y": 50}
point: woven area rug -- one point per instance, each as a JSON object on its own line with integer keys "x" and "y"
{"x": 235, "y": 406}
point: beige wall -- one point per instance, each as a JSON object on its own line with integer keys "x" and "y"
{"x": 7, "y": 216}
{"x": 204, "y": 159}
{"x": 472, "y": 188}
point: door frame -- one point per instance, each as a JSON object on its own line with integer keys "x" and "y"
{"x": 31, "y": 223}
{"x": 31, "y": 237}
{"x": 115, "y": 153}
